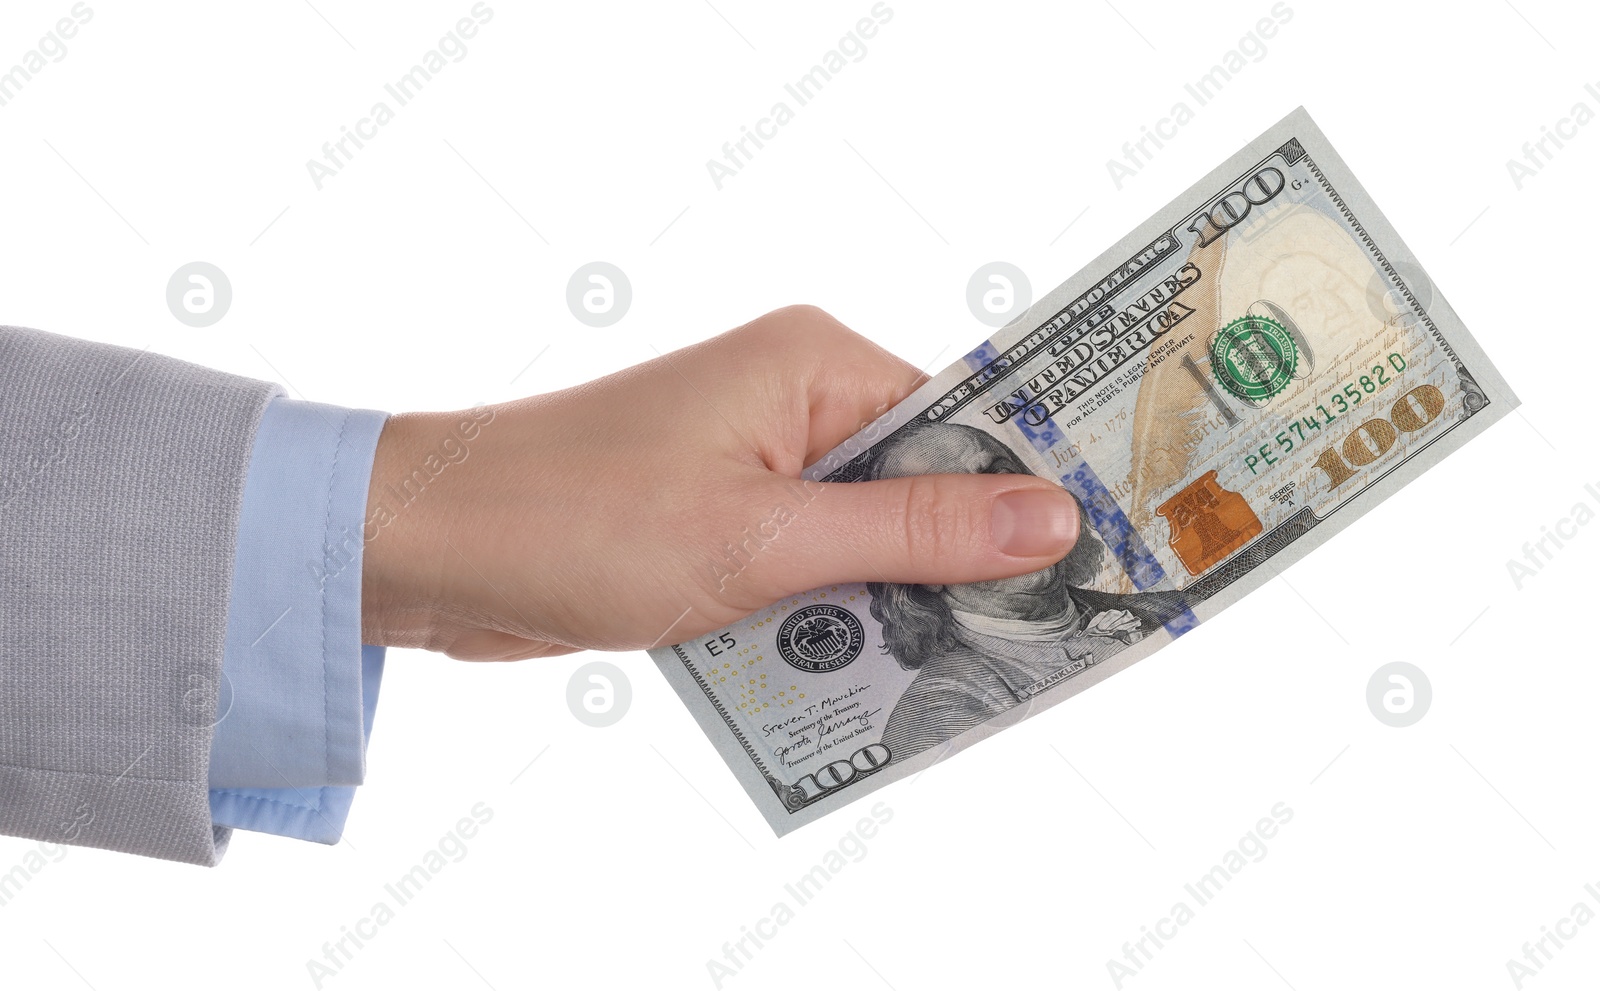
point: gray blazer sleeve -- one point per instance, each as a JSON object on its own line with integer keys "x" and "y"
{"x": 121, "y": 475}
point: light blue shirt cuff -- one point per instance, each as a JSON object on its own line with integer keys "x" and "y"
{"x": 299, "y": 689}
{"x": 314, "y": 814}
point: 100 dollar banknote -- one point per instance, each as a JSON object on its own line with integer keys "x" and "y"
{"x": 1234, "y": 382}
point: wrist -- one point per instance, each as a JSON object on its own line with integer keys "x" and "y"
{"x": 402, "y": 540}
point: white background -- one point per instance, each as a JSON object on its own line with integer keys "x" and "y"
{"x": 433, "y": 269}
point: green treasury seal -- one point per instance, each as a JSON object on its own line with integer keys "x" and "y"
{"x": 1254, "y": 358}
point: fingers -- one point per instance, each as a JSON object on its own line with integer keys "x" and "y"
{"x": 861, "y": 384}
{"x": 847, "y": 380}
{"x": 926, "y": 529}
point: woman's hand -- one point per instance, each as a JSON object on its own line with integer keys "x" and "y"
{"x": 665, "y": 501}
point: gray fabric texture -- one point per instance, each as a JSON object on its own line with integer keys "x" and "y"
{"x": 121, "y": 475}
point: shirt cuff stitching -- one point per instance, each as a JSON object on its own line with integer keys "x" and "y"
{"x": 327, "y": 530}
{"x": 259, "y": 799}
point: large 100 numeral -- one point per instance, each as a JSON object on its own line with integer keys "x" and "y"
{"x": 1235, "y": 205}
{"x": 841, "y": 772}
{"x": 1373, "y": 439}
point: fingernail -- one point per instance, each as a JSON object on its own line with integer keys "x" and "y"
{"x": 1034, "y": 522}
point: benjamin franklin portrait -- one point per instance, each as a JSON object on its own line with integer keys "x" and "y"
{"x": 979, "y": 648}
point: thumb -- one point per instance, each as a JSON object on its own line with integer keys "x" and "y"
{"x": 927, "y": 530}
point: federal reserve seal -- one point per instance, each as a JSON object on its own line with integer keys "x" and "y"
{"x": 1254, "y": 358}
{"x": 820, "y": 638}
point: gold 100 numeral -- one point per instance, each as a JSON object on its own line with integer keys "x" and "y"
{"x": 1372, "y": 439}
